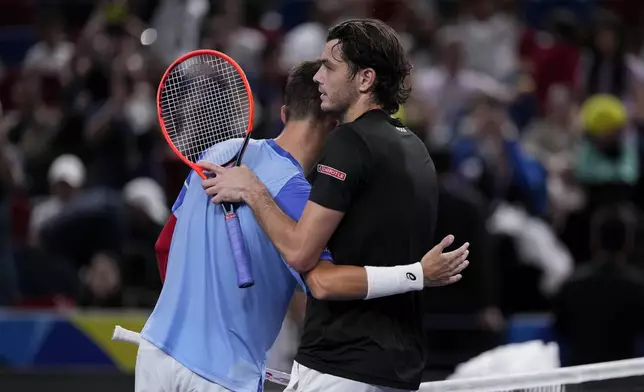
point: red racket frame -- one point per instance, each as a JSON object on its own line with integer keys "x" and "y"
{"x": 166, "y": 75}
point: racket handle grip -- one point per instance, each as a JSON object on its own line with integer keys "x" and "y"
{"x": 242, "y": 262}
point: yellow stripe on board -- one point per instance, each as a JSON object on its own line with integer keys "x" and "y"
{"x": 99, "y": 328}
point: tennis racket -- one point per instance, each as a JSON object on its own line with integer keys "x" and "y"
{"x": 205, "y": 109}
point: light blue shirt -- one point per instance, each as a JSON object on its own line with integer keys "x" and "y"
{"x": 202, "y": 319}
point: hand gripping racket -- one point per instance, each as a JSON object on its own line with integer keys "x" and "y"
{"x": 205, "y": 109}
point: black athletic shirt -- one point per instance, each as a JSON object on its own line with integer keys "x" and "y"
{"x": 380, "y": 175}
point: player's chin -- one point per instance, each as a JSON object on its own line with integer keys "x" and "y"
{"x": 327, "y": 106}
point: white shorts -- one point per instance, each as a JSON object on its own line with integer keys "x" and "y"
{"x": 304, "y": 379}
{"x": 156, "y": 371}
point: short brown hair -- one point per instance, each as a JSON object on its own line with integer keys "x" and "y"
{"x": 301, "y": 95}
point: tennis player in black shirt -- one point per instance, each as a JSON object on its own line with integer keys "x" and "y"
{"x": 373, "y": 204}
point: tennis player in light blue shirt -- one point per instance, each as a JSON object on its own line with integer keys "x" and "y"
{"x": 202, "y": 319}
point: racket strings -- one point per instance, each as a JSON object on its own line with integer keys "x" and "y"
{"x": 216, "y": 116}
{"x": 204, "y": 102}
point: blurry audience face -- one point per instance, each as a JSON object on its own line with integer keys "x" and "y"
{"x": 606, "y": 41}
{"x": 66, "y": 176}
{"x": 338, "y": 87}
{"x": 609, "y": 144}
{"x": 103, "y": 277}
{"x": 489, "y": 117}
{"x": 560, "y": 104}
{"x": 62, "y": 190}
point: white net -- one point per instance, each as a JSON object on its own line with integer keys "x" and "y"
{"x": 204, "y": 102}
{"x": 617, "y": 376}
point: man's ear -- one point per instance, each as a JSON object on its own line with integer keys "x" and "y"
{"x": 366, "y": 79}
{"x": 283, "y": 114}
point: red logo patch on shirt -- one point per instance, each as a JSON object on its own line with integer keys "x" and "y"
{"x": 329, "y": 171}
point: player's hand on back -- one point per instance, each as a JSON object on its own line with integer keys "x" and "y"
{"x": 229, "y": 184}
{"x": 444, "y": 268}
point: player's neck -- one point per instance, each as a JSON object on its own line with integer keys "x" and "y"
{"x": 360, "y": 107}
{"x": 303, "y": 141}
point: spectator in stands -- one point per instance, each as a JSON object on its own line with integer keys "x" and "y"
{"x": 607, "y": 165}
{"x": 66, "y": 176}
{"x": 88, "y": 235}
{"x": 608, "y": 160}
{"x": 147, "y": 213}
{"x": 53, "y": 53}
{"x": 306, "y": 40}
{"x": 93, "y": 222}
{"x": 109, "y": 135}
{"x": 31, "y": 126}
{"x": 488, "y": 154}
{"x": 608, "y": 68}
{"x": 102, "y": 282}
{"x": 447, "y": 89}
{"x": 268, "y": 89}
{"x": 554, "y": 138}
{"x": 598, "y": 313}
{"x": 552, "y": 56}
{"x": 554, "y": 141}
{"x": 10, "y": 179}
{"x": 490, "y": 39}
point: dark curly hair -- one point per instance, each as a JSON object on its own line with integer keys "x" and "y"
{"x": 371, "y": 43}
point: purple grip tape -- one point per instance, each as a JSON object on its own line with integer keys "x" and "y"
{"x": 242, "y": 263}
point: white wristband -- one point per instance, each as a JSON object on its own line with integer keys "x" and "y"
{"x": 385, "y": 281}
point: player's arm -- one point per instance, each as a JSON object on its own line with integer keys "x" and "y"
{"x": 301, "y": 242}
{"x": 328, "y": 281}
{"x": 342, "y": 171}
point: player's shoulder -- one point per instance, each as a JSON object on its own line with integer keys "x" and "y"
{"x": 373, "y": 132}
{"x": 274, "y": 166}
{"x": 236, "y": 142}
{"x": 348, "y": 136}
{"x": 378, "y": 127}
{"x": 370, "y": 120}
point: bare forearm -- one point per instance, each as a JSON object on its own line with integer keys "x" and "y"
{"x": 337, "y": 282}
{"x": 279, "y": 227}
{"x": 301, "y": 243}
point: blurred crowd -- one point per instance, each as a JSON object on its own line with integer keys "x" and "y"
{"x": 532, "y": 111}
